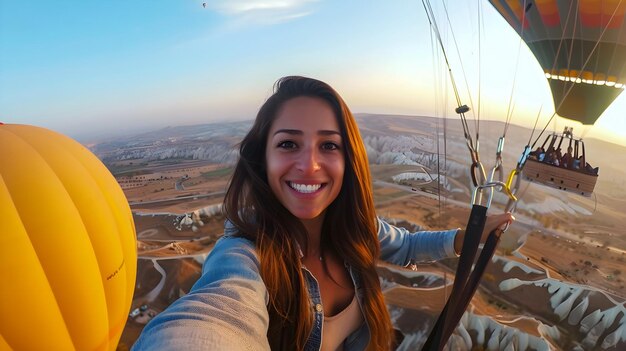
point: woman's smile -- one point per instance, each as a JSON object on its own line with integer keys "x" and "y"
{"x": 305, "y": 188}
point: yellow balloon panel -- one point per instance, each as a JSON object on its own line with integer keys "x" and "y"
{"x": 105, "y": 214}
{"x": 28, "y": 307}
{"x": 116, "y": 199}
{"x": 61, "y": 242}
{"x": 80, "y": 226}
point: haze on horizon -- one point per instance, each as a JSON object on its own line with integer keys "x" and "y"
{"x": 96, "y": 69}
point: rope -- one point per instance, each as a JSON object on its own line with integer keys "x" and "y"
{"x": 456, "y": 46}
{"x": 509, "y": 112}
{"x": 535, "y": 125}
{"x": 461, "y": 109}
{"x": 433, "y": 25}
{"x": 481, "y": 29}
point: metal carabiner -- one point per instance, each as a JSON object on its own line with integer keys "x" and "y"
{"x": 502, "y": 186}
{"x": 477, "y": 166}
{"x": 522, "y": 160}
{"x": 474, "y": 168}
{"x": 515, "y": 174}
{"x": 498, "y": 165}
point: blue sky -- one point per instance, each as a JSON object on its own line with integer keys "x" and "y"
{"x": 92, "y": 69}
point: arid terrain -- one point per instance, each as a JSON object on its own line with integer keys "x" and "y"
{"x": 556, "y": 281}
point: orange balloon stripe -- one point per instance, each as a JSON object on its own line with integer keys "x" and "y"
{"x": 549, "y": 12}
{"x": 599, "y": 13}
{"x": 518, "y": 11}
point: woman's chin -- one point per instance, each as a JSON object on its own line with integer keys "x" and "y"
{"x": 308, "y": 215}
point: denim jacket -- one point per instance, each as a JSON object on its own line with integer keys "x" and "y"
{"x": 226, "y": 308}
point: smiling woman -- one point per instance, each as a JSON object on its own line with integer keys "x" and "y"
{"x": 296, "y": 268}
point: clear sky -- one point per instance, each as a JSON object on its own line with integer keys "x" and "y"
{"x": 90, "y": 69}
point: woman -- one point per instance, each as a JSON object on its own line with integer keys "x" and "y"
{"x": 296, "y": 268}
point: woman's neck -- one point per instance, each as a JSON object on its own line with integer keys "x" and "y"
{"x": 314, "y": 234}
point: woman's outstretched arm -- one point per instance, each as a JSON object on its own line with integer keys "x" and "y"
{"x": 226, "y": 308}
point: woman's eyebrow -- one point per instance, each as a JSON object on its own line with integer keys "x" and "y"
{"x": 299, "y": 132}
{"x": 289, "y": 131}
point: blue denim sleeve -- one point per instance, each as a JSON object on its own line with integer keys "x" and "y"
{"x": 399, "y": 246}
{"x": 226, "y": 308}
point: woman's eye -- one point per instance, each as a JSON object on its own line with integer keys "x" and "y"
{"x": 330, "y": 146}
{"x": 287, "y": 144}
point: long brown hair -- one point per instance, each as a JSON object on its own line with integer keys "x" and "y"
{"x": 349, "y": 226}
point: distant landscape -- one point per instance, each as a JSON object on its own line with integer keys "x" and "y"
{"x": 557, "y": 281}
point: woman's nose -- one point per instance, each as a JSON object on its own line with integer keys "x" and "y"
{"x": 308, "y": 161}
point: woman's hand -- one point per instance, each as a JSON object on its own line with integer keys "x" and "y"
{"x": 492, "y": 222}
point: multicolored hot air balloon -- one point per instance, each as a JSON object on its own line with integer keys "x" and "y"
{"x": 68, "y": 255}
{"x": 581, "y": 46}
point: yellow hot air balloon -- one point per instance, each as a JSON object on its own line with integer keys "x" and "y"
{"x": 68, "y": 254}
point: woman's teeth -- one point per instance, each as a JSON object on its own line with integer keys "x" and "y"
{"x": 305, "y": 188}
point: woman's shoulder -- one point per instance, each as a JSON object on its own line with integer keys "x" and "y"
{"x": 229, "y": 243}
{"x": 232, "y": 240}
{"x": 230, "y": 229}
{"x": 232, "y": 257}
{"x": 232, "y": 250}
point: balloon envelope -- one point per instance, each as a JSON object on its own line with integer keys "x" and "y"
{"x": 68, "y": 257}
{"x": 581, "y": 46}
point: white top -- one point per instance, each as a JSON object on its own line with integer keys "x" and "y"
{"x": 336, "y": 329}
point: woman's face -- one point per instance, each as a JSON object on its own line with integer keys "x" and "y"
{"x": 305, "y": 157}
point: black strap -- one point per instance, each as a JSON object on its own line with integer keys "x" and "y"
{"x": 466, "y": 280}
{"x": 474, "y": 280}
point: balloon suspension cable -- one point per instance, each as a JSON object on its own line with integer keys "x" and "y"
{"x": 509, "y": 112}
{"x": 440, "y": 110}
{"x": 544, "y": 129}
{"x": 474, "y": 148}
{"x": 477, "y": 170}
{"x": 435, "y": 28}
{"x": 527, "y": 150}
{"x": 515, "y": 173}
{"x": 458, "y": 53}
{"x": 468, "y": 273}
{"x": 567, "y": 19}
{"x": 498, "y": 166}
{"x": 535, "y": 125}
{"x": 481, "y": 30}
